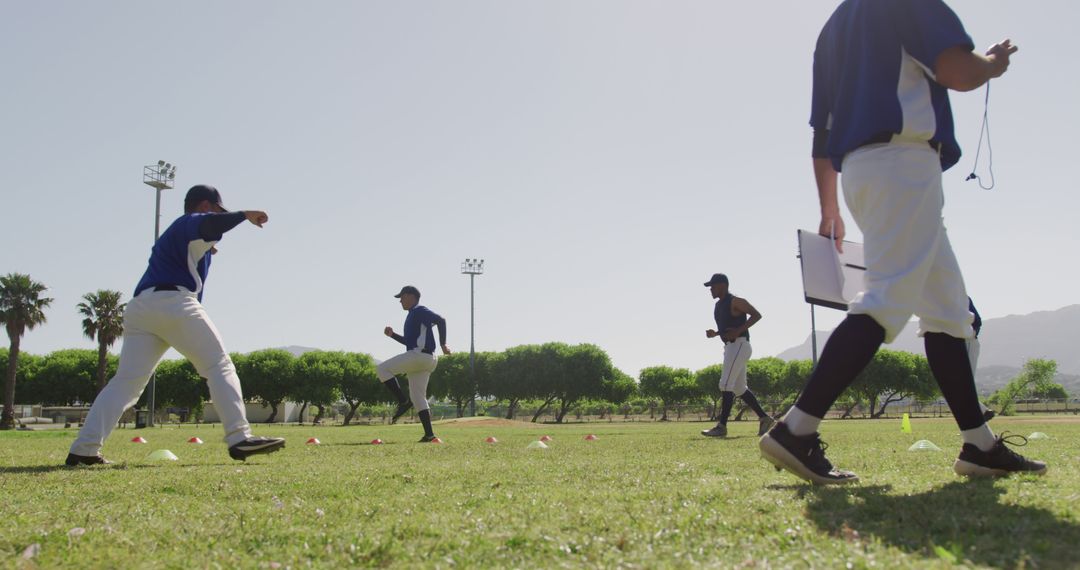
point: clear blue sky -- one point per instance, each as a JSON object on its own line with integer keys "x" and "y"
{"x": 604, "y": 157}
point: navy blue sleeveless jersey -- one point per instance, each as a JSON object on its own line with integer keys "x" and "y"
{"x": 725, "y": 320}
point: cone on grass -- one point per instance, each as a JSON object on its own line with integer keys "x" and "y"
{"x": 545, "y": 438}
{"x": 313, "y": 441}
{"x": 924, "y": 445}
{"x": 195, "y": 440}
{"x": 436, "y": 440}
{"x": 376, "y": 441}
{"x": 138, "y": 439}
{"x": 537, "y": 445}
{"x": 491, "y": 439}
{"x": 162, "y": 455}
{"x": 591, "y": 437}
{"x": 905, "y": 423}
{"x": 1038, "y": 435}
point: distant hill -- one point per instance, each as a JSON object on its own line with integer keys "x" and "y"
{"x": 1007, "y": 342}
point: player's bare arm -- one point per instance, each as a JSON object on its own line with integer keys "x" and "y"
{"x": 740, "y": 306}
{"x": 963, "y": 70}
{"x": 832, "y": 225}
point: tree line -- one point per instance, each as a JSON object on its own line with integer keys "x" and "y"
{"x": 552, "y": 378}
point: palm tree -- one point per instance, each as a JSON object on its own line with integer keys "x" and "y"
{"x": 21, "y": 309}
{"x": 105, "y": 320}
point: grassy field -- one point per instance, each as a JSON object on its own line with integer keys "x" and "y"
{"x": 644, "y": 495}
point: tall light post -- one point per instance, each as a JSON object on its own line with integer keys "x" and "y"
{"x": 160, "y": 176}
{"x": 472, "y": 268}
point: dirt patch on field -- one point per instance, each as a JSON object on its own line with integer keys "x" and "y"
{"x": 485, "y": 422}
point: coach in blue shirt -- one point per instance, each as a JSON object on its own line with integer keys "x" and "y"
{"x": 881, "y": 116}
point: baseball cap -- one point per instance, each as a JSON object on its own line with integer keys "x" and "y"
{"x": 410, "y": 290}
{"x": 716, "y": 278}
{"x": 201, "y": 192}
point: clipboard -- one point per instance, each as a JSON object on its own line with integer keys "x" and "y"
{"x": 830, "y": 279}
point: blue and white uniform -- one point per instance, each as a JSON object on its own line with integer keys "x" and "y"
{"x": 167, "y": 311}
{"x": 887, "y": 126}
{"x": 419, "y": 360}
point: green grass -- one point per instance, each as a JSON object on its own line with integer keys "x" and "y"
{"x": 645, "y": 495}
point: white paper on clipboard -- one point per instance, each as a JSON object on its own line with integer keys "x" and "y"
{"x": 830, "y": 279}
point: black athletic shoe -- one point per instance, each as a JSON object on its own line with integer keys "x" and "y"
{"x": 999, "y": 461}
{"x": 73, "y": 460}
{"x": 254, "y": 446}
{"x": 402, "y": 407}
{"x": 989, "y": 414}
{"x": 765, "y": 423}
{"x": 427, "y": 438}
{"x": 802, "y": 456}
{"x": 720, "y": 430}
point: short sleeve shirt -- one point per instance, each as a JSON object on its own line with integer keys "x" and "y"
{"x": 874, "y": 74}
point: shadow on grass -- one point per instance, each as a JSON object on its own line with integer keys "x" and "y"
{"x": 962, "y": 520}
{"x": 38, "y": 469}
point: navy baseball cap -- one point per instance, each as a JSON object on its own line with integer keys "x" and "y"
{"x": 410, "y": 290}
{"x": 201, "y": 192}
{"x": 715, "y": 279}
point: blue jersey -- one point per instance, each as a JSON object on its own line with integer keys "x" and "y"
{"x": 874, "y": 75}
{"x": 179, "y": 257}
{"x": 418, "y": 325}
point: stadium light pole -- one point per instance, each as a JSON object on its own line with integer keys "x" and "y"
{"x": 472, "y": 268}
{"x": 160, "y": 176}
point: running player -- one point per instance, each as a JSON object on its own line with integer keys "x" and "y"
{"x": 418, "y": 361}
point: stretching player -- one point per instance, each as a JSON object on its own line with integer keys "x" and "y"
{"x": 167, "y": 311}
{"x": 418, "y": 361}
{"x": 734, "y": 317}
{"x": 881, "y": 115}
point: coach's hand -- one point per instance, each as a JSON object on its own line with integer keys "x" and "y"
{"x": 256, "y": 217}
{"x": 832, "y": 225}
{"x": 710, "y": 333}
{"x": 446, "y": 350}
{"x": 388, "y": 331}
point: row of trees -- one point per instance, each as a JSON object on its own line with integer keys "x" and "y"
{"x": 22, "y": 307}
{"x": 552, "y": 377}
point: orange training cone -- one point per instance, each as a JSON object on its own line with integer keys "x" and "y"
{"x": 591, "y": 437}
{"x": 376, "y": 441}
{"x": 491, "y": 439}
{"x": 436, "y": 440}
{"x": 195, "y": 440}
{"x": 545, "y": 438}
{"x": 138, "y": 439}
{"x": 313, "y": 441}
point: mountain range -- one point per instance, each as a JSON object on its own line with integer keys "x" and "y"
{"x": 1006, "y": 343}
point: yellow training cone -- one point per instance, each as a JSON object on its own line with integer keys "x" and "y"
{"x": 905, "y": 423}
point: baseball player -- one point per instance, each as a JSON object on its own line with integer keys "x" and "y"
{"x": 734, "y": 317}
{"x": 418, "y": 361}
{"x": 881, "y": 116}
{"x": 167, "y": 310}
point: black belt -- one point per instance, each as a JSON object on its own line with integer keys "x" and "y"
{"x": 887, "y": 137}
{"x": 166, "y": 288}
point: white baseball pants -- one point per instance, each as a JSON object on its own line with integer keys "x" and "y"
{"x": 894, "y": 193}
{"x": 417, "y": 365}
{"x": 733, "y": 376}
{"x": 154, "y": 321}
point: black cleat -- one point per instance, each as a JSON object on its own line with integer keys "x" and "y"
{"x": 402, "y": 407}
{"x": 989, "y": 414}
{"x": 719, "y": 430}
{"x": 427, "y": 438}
{"x": 998, "y": 462}
{"x": 254, "y": 446}
{"x": 802, "y": 456}
{"x": 74, "y": 460}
